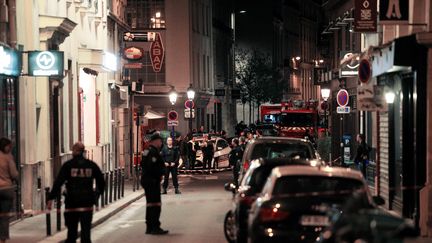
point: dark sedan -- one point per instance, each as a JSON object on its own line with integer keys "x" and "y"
{"x": 296, "y": 203}
{"x": 251, "y": 185}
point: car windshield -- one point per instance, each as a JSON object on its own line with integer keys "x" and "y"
{"x": 258, "y": 177}
{"x": 316, "y": 186}
{"x": 282, "y": 150}
{"x": 297, "y": 119}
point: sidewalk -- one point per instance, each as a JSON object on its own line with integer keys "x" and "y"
{"x": 33, "y": 229}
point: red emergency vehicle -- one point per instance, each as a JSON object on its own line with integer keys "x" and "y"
{"x": 269, "y": 113}
{"x": 296, "y": 117}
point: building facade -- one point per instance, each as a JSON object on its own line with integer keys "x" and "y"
{"x": 57, "y": 111}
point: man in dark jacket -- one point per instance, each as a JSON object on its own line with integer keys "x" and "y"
{"x": 153, "y": 168}
{"x": 79, "y": 174}
{"x": 193, "y": 147}
{"x": 362, "y": 154}
{"x": 207, "y": 149}
{"x": 171, "y": 156}
{"x": 235, "y": 157}
{"x": 183, "y": 149}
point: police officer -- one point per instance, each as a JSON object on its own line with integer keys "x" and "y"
{"x": 171, "y": 157}
{"x": 235, "y": 157}
{"x": 153, "y": 168}
{"x": 78, "y": 174}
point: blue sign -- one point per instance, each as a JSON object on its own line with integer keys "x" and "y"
{"x": 10, "y": 61}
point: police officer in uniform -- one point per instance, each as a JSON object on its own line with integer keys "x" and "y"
{"x": 78, "y": 174}
{"x": 153, "y": 168}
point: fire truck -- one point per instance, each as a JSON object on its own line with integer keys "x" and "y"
{"x": 269, "y": 113}
{"x": 297, "y": 116}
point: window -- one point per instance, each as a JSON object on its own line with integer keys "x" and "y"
{"x": 281, "y": 150}
{"x": 221, "y": 144}
{"x": 146, "y": 14}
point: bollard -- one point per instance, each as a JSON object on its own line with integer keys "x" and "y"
{"x": 134, "y": 178}
{"x": 106, "y": 188}
{"x": 111, "y": 174}
{"x": 119, "y": 183}
{"x": 48, "y": 213}
{"x": 123, "y": 181}
{"x": 115, "y": 184}
{"x": 58, "y": 204}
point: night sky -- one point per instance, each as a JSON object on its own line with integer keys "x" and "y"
{"x": 254, "y": 29}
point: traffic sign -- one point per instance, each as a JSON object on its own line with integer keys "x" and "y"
{"x": 364, "y": 71}
{"x": 187, "y": 113}
{"x": 172, "y": 115}
{"x": 343, "y": 109}
{"x": 189, "y": 104}
{"x": 342, "y": 97}
{"x": 139, "y": 36}
{"x": 173, "y": 123}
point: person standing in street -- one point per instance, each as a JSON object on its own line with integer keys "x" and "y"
{"x": 208, "y": 152}
{"x": 153, "y": 168}
{"x": 235, "y": 157}
{"x": 8, "y": 174}
{"x": 193, "y": 147}
{"x": 362, "y": 154}
{"x": 183, "y": 148}
{"x": 78, "y": 174}
{"x": 171, "y": 156}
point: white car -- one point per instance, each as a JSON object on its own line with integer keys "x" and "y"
{"x": 221, "y": 155}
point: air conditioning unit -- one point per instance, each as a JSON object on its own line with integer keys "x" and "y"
{"x": 124, "y": 93}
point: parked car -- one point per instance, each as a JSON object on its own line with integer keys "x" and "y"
{"x": 358, "y": 222}
{"x": 297, "y": 202}
{"x": 235, "y": 224}
{"x": 221, "y": 155}
{"x": 278, "y": 147}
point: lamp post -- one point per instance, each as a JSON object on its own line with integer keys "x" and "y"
{"x": 173, "y": 98}
{"x": 190, "y": 95}
{"x": 325, "y": 93}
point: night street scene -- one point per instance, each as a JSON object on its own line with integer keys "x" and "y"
{"x": 212, "y": 121}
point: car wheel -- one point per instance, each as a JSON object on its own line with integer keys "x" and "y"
{"x": 229, "y": 227}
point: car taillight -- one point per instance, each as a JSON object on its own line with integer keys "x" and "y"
{"x": 272, "y": 214}
{"x": 247, "y": 200}
{"x": 246, "y": 165}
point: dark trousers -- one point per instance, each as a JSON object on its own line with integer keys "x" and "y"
{"x": 153, "y": 198}
{"x": 207, "y": 162}
{"x": 173, "y": 171}
{"x": 185, "y": 162}
{"x": 6, "y": 204}
{"x": 71, "y": 221}
{"x": 192, "y": 159}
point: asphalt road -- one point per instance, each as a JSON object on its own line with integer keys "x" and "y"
{"x": 194, "y": 216}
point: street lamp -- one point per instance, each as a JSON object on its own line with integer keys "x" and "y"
{"x": 325, "y": 94}
{"x": 390, "y": 97}
{"x": 190, "y": 95}
{"x": 173, "y": 98}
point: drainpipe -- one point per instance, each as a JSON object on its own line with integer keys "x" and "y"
{"x": 4, "y": 19}
{"x": 12, "y": 23}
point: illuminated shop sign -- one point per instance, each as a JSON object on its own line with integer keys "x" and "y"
{"x": 45, "y": 63}
{"x": 10, "y": 61}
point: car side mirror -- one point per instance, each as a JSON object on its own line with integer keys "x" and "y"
{"x": 230, "y": 187}
{"x": 378, "y": 200}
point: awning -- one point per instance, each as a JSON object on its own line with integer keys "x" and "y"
{"x": 151, "y": 115}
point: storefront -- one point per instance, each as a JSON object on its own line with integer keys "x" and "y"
{"x": 400, "y": 68}
{"x": 10, "y": 69}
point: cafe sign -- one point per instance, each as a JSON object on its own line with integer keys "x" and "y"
{"x": 10, "y": 61}
{"x": 157, "y": 53}
{"x": 45, "y": 63}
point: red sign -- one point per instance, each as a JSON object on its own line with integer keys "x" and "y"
{"x": 172, "y": 116}
{"x": 342, "y": 97}
{"x": 133, "y": 53}
{"x": 364, "y": 71}
{"x": 189, "y": 104}
{"x": 157, "y": 53}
